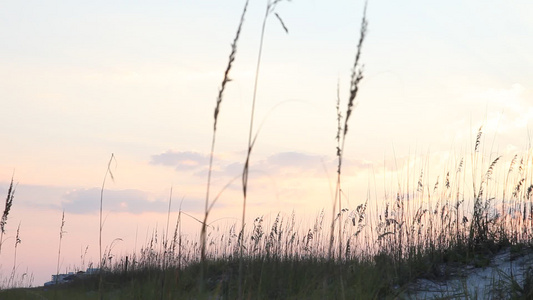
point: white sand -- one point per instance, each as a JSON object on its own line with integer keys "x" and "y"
{"x": 491, "y": 282}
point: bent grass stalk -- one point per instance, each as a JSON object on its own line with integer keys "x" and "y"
{"x": 270, "y": 8}
{"x": 108, "y": 172}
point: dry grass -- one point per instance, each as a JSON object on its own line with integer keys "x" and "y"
{"x": 270, "y": 9}
{"x": 101, "y": 225}
{"x": 342, "y": 131}
{"x": 210, "y": 203}
{"x": 61, "y": 232}
{"x": 426, "y": 224}
{"x": 7, "y": 208}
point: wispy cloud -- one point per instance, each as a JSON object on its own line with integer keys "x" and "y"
{"x": 181, "y": 160}
{"x": 87, "y": 201}
{"x": 506, "y": 112}
{"x": 37, "y": 196}
{"x": 289, "y": 163}
{"x": 296, "y": 160}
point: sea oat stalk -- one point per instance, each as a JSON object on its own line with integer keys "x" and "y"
{"x": 356, "y": 77}
{"x": 270, "y": 9}
{"x": 208, "y": 204}
{"x": 61, "y": 232}
{"x": 108, "y": 172}
{"x": 9, "y": 202}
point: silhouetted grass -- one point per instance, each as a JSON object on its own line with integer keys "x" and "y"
{"x": 208, "y": 202}
{"x": 7, "y": 208}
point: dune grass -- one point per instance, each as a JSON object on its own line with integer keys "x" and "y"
{"x": 425, "y": 230}
{"x": 209, "y": 203}
{"x": 7, "y": 208}
{"x": 282, "y": 259}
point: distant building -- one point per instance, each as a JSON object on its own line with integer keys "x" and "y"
{"x": 91, "y": 271}
{"x": 65, "y": 278}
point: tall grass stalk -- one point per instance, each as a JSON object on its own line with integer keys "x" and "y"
{"x": 17, "y": 242}
{"x": 61, "y": 232}
{"x": 166, "y": 248}
{"x": 208, "y": 203}
{"x": 176, "y": 241}
{"x": 356, "y": 77}
{"x": 270, "y": 9}
{"x": 101, "y": 225}
{"x": 7, "y": 208}
{"x": 165, "y": 239}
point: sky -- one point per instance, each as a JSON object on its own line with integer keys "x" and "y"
{"x": 80, "y": 81}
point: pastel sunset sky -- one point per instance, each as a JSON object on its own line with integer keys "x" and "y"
{"x": 80, "y": 80}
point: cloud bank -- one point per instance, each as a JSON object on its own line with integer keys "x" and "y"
{"x": 276, "y": 163}
{"x": 87, "y": 200}
{"x": 181, "y": 160}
